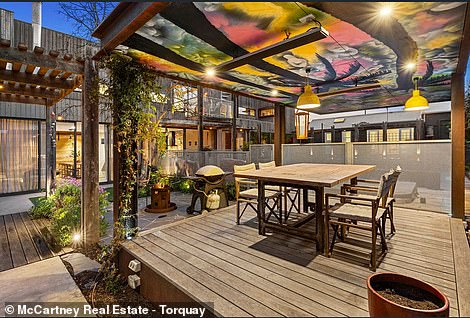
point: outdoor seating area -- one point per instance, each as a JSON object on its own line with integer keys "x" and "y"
{"x": 211, "y": 259}
{"x": 244, "y": 159}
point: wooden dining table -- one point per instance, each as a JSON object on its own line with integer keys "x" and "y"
{"x": 306, "y": 176}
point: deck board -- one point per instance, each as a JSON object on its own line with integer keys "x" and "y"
{"x": 20, "y": 242}
{"x": 211, "y": 258}
{"x": 5, "y": 255}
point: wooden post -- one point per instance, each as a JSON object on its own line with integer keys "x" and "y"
{"x": 184, "y": 138}
{"x": 50, "y": 147}
{"x": 458, "y": 145}
{"x": 384, "y": 130}
{"x": 279, "y": 132}
{"x": 200, "y": 126}
{"x": 234, "y": 121}
{"x": 90, "y": 214}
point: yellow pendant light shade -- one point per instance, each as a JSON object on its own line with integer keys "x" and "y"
{"x": 308, "y": 99}
{"x": 416, "y": 102}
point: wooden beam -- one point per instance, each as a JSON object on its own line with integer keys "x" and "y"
{"x": 123, "y": 21}
{"x": 90, "y": 213}
{"x": 236, "y": 100}
{"x": 29, "y": 92}
{"x": 13, "y": 55}
{"x": 464, "y": 43}
{"x": 310, "y": 36}
{"x": 279, "y": 132}
{"x": 350, "y": 90}
{"x": 32, "y": 79}
{"x": 22, "y": 99}
{"x": 458, "y": 145}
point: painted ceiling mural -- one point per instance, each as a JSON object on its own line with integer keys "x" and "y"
{"x": 386, "y": 43}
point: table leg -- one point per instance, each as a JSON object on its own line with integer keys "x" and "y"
{"x": 305, "y": 200}
{"x": 261, "y": 208}
{"x": 319, "y": 218}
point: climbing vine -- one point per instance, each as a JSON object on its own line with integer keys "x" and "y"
{"x": 132, "y": 91}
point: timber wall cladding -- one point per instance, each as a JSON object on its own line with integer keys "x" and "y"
{"x": 22, "y": 32}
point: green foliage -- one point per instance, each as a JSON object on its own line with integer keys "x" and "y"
{"x": 157, "y": 176}
{"x": 63, "y": 208}
{"x": 42, "y": 208}
{"x": 230, "y": 187}
{"x": 181, "y": 184}
{"x": 113, "y": 281}
{"x": 133, "y": 92}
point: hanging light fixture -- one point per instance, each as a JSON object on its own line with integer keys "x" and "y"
{"x": 308, "y": 99}
{"x": 416, "y": 102}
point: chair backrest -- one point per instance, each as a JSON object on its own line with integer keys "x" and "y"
{"x": 238, "y": 180}
{"x": 264, "y": 165}
{"x": 243, "y": 168}
{"x": 384, "y": 188}
{"x": 396, "y": 173}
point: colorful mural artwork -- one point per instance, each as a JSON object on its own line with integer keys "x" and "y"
{"x": 369, "y": 42}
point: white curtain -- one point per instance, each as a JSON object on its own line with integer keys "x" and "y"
{"x": 18, "y": 155}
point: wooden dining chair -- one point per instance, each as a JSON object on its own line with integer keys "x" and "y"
{"x": 246, "y": 191}
{"x": 289, "y": 194}
{"x": 362, "y": 216}
{"x": 371, "y": 186}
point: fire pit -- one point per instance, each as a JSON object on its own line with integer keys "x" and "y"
{"x": 160, "y": 201}
{"x": 209, "y": 189}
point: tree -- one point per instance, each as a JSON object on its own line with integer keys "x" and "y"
{"x": 86, "y": 16}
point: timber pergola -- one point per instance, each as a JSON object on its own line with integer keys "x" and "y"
{"x": 34, "y": 76}
{"x": 138, "y": 26}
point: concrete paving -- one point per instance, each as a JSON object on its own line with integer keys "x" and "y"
{"x": 17, "y": 203}
{"x": 44, "y": 281}
{"x": 81, "y": 263}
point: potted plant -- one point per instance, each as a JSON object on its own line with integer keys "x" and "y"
{"x": 396, "y": 295}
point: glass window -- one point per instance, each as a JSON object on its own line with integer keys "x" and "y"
{"x": 375, "y": 135}
{"x": 328, "y": 137}
{"x": 406, "y": 134}
{"x": 346, "y": 135}
{"x": 267, "y": 112}
{"x": 246, "y": 111}
{"x": 185, "y": 99}
{"x": 393, "y": 134}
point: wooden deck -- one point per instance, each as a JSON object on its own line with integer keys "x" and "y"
{"x": 210, "y": 259}
{"x": 22, "y": 241}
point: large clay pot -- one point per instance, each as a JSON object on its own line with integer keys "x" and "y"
{"x": 382, "y": 307}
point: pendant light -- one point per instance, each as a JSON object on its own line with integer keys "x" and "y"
{"x": 308, "y": 99}
{"x": 416, "y": 102}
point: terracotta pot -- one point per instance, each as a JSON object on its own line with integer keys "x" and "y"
{"x": 382, "y": 307}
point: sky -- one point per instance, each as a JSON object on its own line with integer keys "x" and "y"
{"x": 51, "y": 18}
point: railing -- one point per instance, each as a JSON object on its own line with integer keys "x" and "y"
{"x": 217, "y": 108}
{"x": 425, "y": 182}
{"x": 197, "y": 159}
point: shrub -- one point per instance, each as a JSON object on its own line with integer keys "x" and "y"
{"x": 63, "y": 208}
{"x": 230, "y": 191}
{"x": 181, "y": 184}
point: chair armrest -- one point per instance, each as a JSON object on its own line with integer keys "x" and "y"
{"x": 359, "y": 188}
{"x": 368, "y": 181}
{"x": 350, "y": 197}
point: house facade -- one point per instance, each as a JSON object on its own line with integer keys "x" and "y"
{"x": 227, "y": 125}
